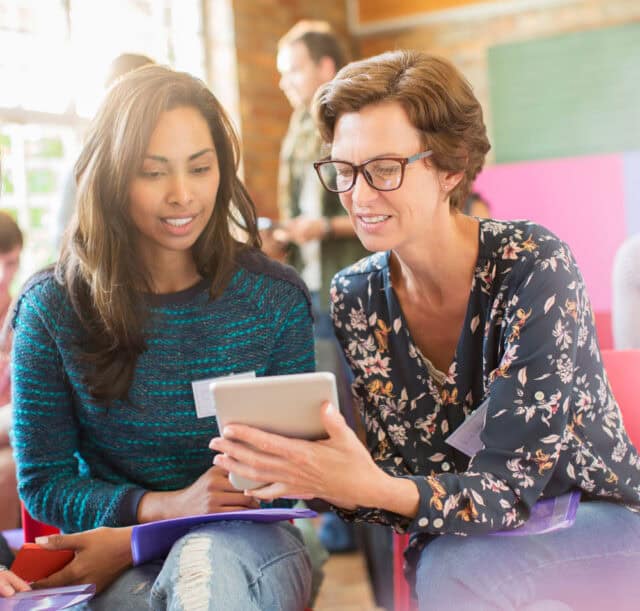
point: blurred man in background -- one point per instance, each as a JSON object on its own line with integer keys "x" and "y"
{"x": 314, "y": 233}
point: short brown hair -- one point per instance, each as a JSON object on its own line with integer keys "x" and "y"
{"x": 10, "y": 234}
{"x": 319, "y": 39}
{"x": 438, "y": 100}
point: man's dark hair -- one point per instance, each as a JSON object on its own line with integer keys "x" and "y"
{"x": 323, "y": 44}
{"x": 320, "y": 40}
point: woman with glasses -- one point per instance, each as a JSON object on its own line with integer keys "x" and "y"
{"x": 455, "y": 316}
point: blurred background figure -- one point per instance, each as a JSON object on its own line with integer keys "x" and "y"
{"x": 10, "y": 250}
{"x": 626, "y": 295}
{"x": 314, "y": 233}
{"x": 476, "y": 205}
{"x": 119, "y": 66}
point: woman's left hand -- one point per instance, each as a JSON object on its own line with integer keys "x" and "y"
{"x": 338, "y": 469}
{"x": 101, "y": 556}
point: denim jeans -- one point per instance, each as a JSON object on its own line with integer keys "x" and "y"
{"x": 220, "y": 566}
{"x": 593, "y": 565}
{"x": 6, "y": 557}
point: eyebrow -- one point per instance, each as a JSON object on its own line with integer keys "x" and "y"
{"x": 378, "y": 156}
{"x": 191, "y": 157}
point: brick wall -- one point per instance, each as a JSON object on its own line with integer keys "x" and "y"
{"x": 264, "y": 111}
{"x": 466, "y": 41}
{"x": 258, "y": 24}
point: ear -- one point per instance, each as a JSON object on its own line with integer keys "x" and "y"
{"x": 450, "y": 180}
{"x": 326, "y": 68}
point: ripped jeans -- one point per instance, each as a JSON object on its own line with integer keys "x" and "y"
{"x": 223, "y": 565}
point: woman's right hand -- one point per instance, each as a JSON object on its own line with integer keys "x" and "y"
{"x": 212, "y": 492}
{"x": 101, "y": 555}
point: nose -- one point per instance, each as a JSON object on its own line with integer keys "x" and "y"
{"x": 180, "y": 189}
{"x": 362, "y": 191}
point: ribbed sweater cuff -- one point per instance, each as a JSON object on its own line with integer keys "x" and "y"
{"x": 128, "y": 513}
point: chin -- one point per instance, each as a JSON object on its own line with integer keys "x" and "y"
{"x": 375, "y": 244}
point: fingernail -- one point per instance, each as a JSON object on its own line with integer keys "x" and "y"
{"x": 42, "y": 540}
{"x": 228, "y": 431}
{"x": 331, "y": 408}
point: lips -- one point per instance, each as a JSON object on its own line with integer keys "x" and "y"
{"x": 178, "y": 225}
{"x": 178, "y": 222}
{"x": 371, "y": 219}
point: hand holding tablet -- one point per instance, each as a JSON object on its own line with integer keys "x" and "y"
{"x": 288, "y": 405}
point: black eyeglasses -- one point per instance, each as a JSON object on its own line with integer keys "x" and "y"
{"x": 381, "y": 173}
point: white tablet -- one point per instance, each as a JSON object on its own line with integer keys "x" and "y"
{"x": 287, "y": 405}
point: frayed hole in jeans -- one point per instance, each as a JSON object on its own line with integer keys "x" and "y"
{"x": 194, "y": 574}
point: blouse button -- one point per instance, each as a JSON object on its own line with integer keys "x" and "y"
{"x": 446, "y": 466}
{"x": 438, "y": 522}
{"x": 539, "y": 396}
{"x": 423, "y": 522}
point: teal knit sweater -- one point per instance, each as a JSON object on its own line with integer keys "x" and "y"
{"x": 81, "y": 465}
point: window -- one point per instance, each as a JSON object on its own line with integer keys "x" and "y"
{"x": 54, "y": 56}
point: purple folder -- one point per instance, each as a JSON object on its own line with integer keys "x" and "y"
{"x": 48, "y": 599}
{"x": 154, "y": 539}
{"x": 547, "y": 515}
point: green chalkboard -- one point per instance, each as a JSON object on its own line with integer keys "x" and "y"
{"x": 575, "y": 94}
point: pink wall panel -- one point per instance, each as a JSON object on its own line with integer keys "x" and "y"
{"x": 580, "y": 199}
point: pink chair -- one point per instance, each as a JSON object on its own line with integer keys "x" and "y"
{"x": 604, "y": 329}
{"x": 402, "y": 599}
{"x": 623, "y": 369}
{"x": 33, "y": 528}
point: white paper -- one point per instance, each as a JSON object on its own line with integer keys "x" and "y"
{"x": 466, "y": 437}
{"x": 205, "y": 405}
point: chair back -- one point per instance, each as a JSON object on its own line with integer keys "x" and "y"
{"x": 623, "y": 371}
{"x": 33, "y": 528}
{"x": 604, "y": 329}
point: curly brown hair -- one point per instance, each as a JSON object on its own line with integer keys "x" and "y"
{"x": 438, "y": 100}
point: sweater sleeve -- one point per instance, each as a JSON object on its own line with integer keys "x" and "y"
{"x": 53, "y": 480}
{"x": 293, "y": 349}
{"x": 626, "y": 296}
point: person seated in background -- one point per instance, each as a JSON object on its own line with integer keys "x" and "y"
{"x": 10, "y": 250}
{"x": 121, "y": 65}
{"x": 151, "y": 292}
{"x": 9, "y": 582}
{"x": 476, "y": 205}
{"x": 455, "y": 314}
{"x": 625, "y": 313}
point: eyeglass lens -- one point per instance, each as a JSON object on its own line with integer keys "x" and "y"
{"x": 381, "y": 174}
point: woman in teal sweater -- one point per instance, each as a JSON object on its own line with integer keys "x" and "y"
{"x": 152, "y": 291}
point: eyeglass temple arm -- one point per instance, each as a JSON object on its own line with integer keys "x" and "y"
{"x": 417, "y": 156}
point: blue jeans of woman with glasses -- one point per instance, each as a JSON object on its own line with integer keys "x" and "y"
{"x": 593, "y": 565}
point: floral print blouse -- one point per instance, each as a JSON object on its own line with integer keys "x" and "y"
{"x": 528, "y": 345}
